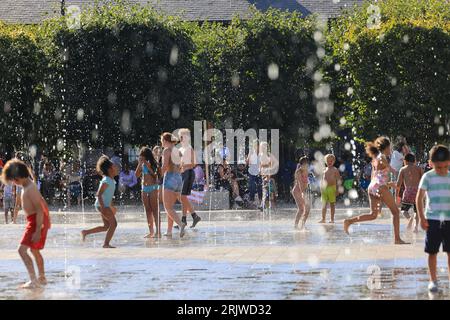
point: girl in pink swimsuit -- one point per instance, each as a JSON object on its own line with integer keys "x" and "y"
{"x": 301, "y": 192}
{"x": 378, "y": 189}
{"x": 380, "y": 175}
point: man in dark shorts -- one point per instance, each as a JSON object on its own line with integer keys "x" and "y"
{"x": 188, "y": 163}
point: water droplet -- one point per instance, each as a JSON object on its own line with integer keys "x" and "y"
{"x": 7, "y": 107}
{"x": 175, "y": 111}
{"x": 235, "y": 80}
{"x": 60, "y": 144}
{"x": 80, "y": 114}
{"x": 405, "y": 38}
{"x": 318, "y": 36}
{"x": 125, "y": 124}
{"x": 273, "y": 71}
{"x": 353, "y": 194}
{"x": 173, "y": 56}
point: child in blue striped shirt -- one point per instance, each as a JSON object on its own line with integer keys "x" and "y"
{"x": 435, "y": 219}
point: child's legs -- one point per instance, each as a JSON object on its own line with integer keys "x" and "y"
{"x": 108, "y": 215}
{"x": 307, "y": 198}
{"x": 23, "y": 252}
{"x": 375, "y": 207}
{"x": 389, "y": 200}
{"x": 300, "y": 205}
{"x": 448, "y": 264}
{"x": 39, "y": 262}
{"x": 432, "y": 266}
{"x": 103, "y": 228}
{"x": 155, "y": 210}
{"x": 416, "y": 217}
{"x": 332, "y": 210}
{"x": 324, "y": 209}
{"x": 148, "y": 210}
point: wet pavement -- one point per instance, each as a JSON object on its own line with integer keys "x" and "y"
{"x": 252, "y": 256}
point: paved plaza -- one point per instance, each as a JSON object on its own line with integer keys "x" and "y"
{"x": 231, "y": 255}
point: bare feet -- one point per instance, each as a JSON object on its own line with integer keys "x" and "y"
{"x": 346, "y": 226}
{"x": 400, "y": 241}
{"x": 168, "y": 234}
{"x": 83, "y": 235}
{"x": 321, "y": 221}
{"x": 416, "y": 229}
{"x": 42, "y": 280}
{"x": 150, "y": 235}
{"x": 108, "y": 246}
{"x": 31, "y": 285}
{"x": 331, "y": 221}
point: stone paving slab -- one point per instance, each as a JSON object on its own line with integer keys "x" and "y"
{"x": 256, "y": 259}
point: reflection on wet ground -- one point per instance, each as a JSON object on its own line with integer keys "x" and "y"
{"x": 197, "y": 279}
{"x": 236, "y": 259}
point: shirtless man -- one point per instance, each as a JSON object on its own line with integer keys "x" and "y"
{"x": 331, "y": 181}
{"x": 188, "y": 162}
{"x": 409, "y": 177}
{"x": 38, "y": 220}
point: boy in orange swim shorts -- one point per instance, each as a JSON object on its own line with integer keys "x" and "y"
{"x": 38, "y": 220}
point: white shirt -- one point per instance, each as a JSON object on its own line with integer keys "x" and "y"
{"x": 397, "y": 160}
{"x": 253, "y": 164}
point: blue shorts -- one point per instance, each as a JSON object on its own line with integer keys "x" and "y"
{"x": 438, "y": 232}
{"x": 150, "y": 189}
{"x": 173, "y": 181}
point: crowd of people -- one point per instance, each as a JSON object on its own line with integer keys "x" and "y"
{"x": 248, "y": 184}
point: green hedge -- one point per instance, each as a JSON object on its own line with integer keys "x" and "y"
{"x": 394, "y": 79}
{"x": 237, "y": 60}
{"x": 24, "y": 119}
{"x": 124, "y": 77}
{"x": 128, "y": 73}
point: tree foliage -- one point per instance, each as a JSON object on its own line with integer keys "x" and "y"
{"x": 394, "y": 75}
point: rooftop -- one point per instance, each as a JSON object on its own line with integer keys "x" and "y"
{"x": 32, "y": 11}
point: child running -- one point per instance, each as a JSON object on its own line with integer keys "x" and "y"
{"x": 331, "y": 181}
{"x": 301, "y": 193}
{"x": 38, "y": 220}
{"x": 409, "y": 178}
{"x": 378, "y": 189}
{"x": 103, "y": 201}
{"x": 435, "y": 220}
